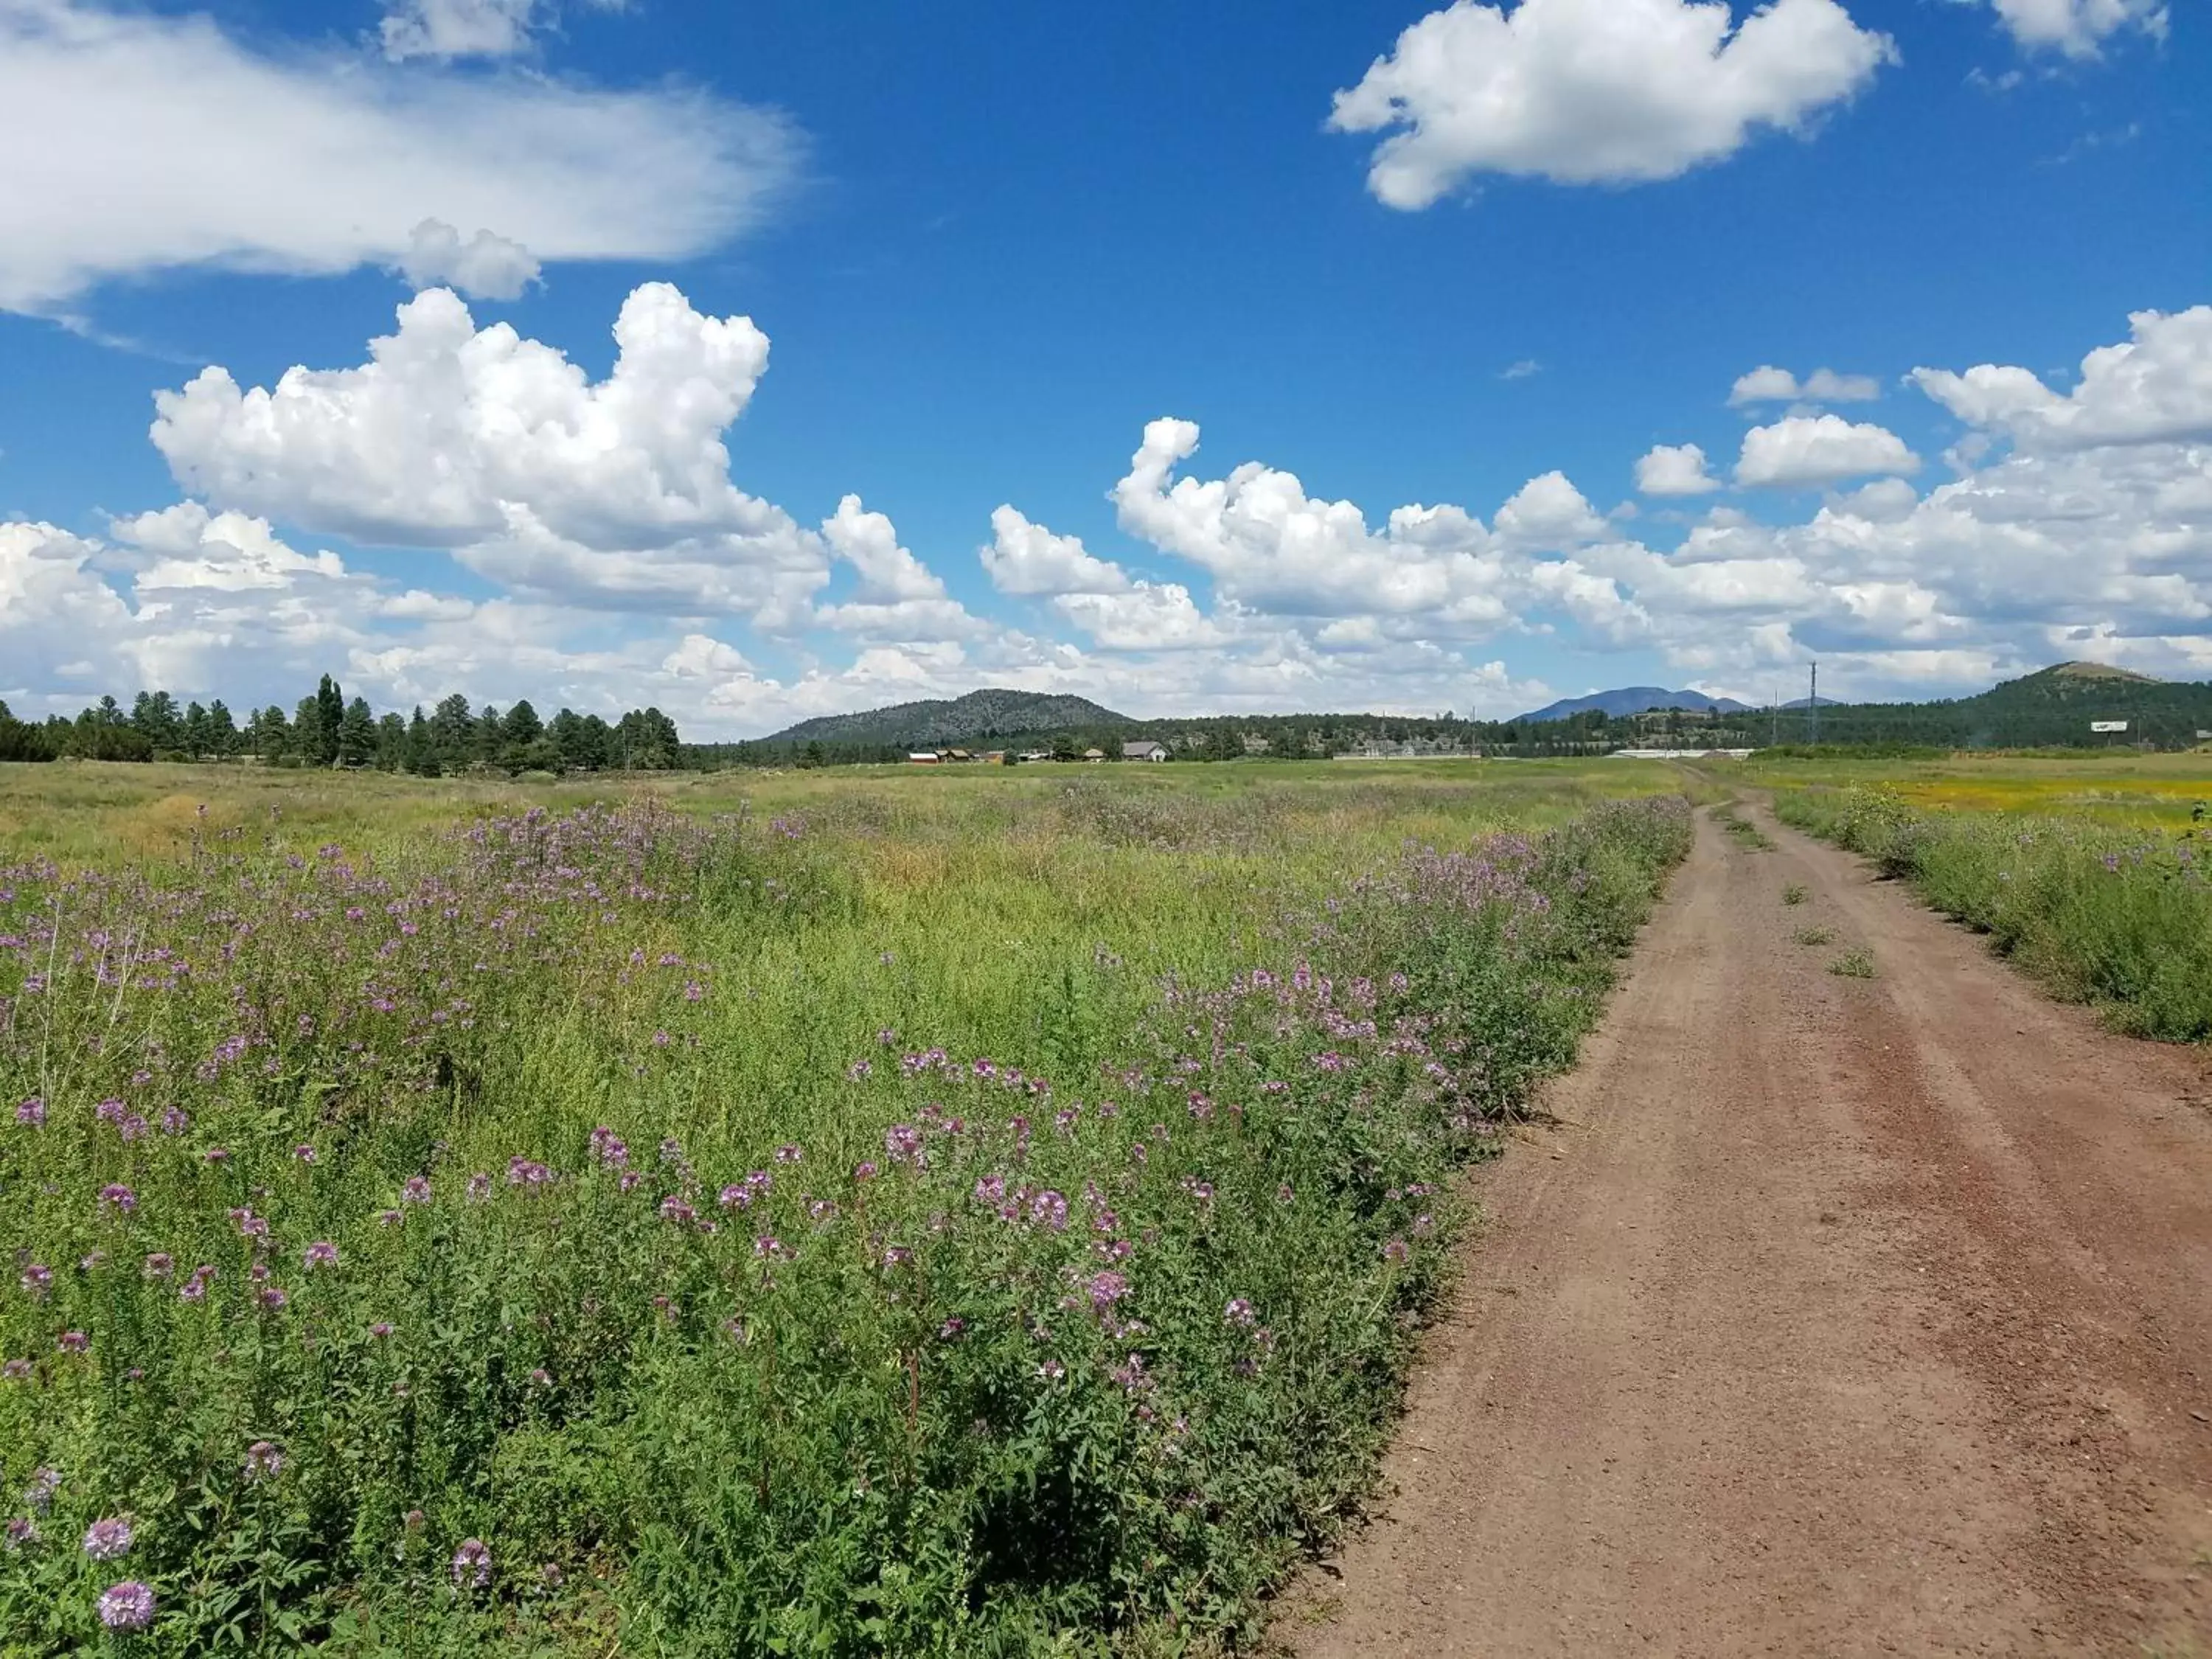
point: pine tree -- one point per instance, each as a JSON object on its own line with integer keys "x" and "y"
{"x": 357, "y": 734}
{"x": 422, "y": 747}
{"x": 223, "y": 731}
{"x": 330, "y": 715}
{"x": 391, "y": 742}
{"x": 452, "y": 732}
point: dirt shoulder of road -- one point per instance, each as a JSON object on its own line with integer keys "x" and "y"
{"x": 1836, "y": 1315}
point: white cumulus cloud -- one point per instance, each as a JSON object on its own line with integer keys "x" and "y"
{"x": 500, "y": 448}
{"x": 2155, "y": 388}
{"x": 485, "y": 267}
{"x": 135, "y": 143}
{"x": 2079, "y": 28}
{"x": 1769, "y": 384}
{"x": 1023, "y": 557}
{"x": 1674, "y": 470}
{"x": 1807, "y": 450}
{"x": 1597, "y": 91}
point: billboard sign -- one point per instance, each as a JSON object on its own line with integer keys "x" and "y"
{"x": 2108, "y": 725}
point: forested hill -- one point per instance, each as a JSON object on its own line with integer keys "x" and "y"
{"x": 978, "y": 716}
{"x": 2055, "y": 707}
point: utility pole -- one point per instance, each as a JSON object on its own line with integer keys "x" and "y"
{"x": 1814, "y": 703}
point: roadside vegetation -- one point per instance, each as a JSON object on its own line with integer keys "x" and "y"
{"x": 2105, "y": 913}
{"x": 905, "y": 1216}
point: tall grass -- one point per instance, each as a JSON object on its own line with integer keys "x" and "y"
{"x": 2119, "y": 917}
{"x": 904, "y": 1227}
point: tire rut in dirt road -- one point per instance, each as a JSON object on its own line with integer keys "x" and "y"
{"x": 1842, "y": 1316}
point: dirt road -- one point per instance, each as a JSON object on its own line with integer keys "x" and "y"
{"x": 1840, "y": 1316}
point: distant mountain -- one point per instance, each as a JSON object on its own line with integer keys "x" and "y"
{"x": 971, "y": 719}
{"x": 1635, "y": 699}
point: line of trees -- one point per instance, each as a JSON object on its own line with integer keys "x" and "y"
{"x": 328, "y": 729}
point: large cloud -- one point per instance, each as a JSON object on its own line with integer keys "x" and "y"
{"x": 2156, "y": 388}
{"x": 1596, "y": 91}
{"x": 502, "y": 449}
{"x": 1807, "y": 450}
{"x": 1023, "y": 557}
{"x": 135, "y": 143}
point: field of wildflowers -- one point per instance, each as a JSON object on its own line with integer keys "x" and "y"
{"x": 882, "y": 1217}
{"x": 2102, "y": 912}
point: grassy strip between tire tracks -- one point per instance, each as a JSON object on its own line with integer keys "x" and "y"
{"x": 563, "y": 1235}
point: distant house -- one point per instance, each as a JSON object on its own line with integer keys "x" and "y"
{"x": 1094, "y": 754}
{"x": 1146, "y": 750}
{"x": 954, "y": 754}
{"x": 922, "y": 758}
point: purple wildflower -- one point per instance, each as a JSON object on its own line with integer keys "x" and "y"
{"x": 263, "y": 1460}
{"x": 479, "y": 1188}
{"x": 73, "y": 1342}
{"x": 217, "y": 1155}
{"x": 31, "y": 1113}
{"x": 22, "y": 1530}
{"x": 321, "y": 1254}
{"x": 127, "y": 1605}
{"x": 389, "y": 1217}
{"x": 735, "y": 1197}
{"x": 39, "y": 1494}
{"x": 381, "y": 1329}
{"x": 1238, "y": 1312}
{"x": 1105, "y": 1290}
{"x": 1396, "y": 1250}
{"x": 865, "y": 1170}
{"x": 174, "y": 1120}
{"x": 109, "y": 1111}
{"x": 272, "y": 1298}
{"x": 107, "y": 1538}
{"x": 901, "y": 1141}
{"x": 115, "y": 1195}
{"x": 898, "y": 1255}
{"x": 415, "y": 1189}
{"x": 952, "y": 1329}
{"x": 37, "y": 1279}
{"x": 133, "y": 1128}
{"x": 16, "y": 1370}
{"x": 471, "y": 1565}
{"x": 1049, "y": 1208}
{"x": 159, "y": 1264}
{"x": 305, "y": 1153}
{"x": 789, "y": 1154}
{"x": 673, "y": 1208}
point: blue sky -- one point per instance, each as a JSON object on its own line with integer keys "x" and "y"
{"x": 988, "y": 252}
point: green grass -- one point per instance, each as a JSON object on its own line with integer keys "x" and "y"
{"x": 1744, "y": 833}
{"x": 2114, "y": 916}
{"x": 1814, "y": 936}
{"x": 1853, "y": 964}
{"x": 1125, "y": 1107}
{"x": 1795, "y": 895}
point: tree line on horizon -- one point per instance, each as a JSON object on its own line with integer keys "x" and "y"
{"x": 327, "y": 729}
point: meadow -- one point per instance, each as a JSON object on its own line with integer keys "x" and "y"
{"x": 2091, "y": 874}
{"x": 855, "y": 1212}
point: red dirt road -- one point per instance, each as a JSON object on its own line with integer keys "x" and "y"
{"x": 1838, "y": 1316}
